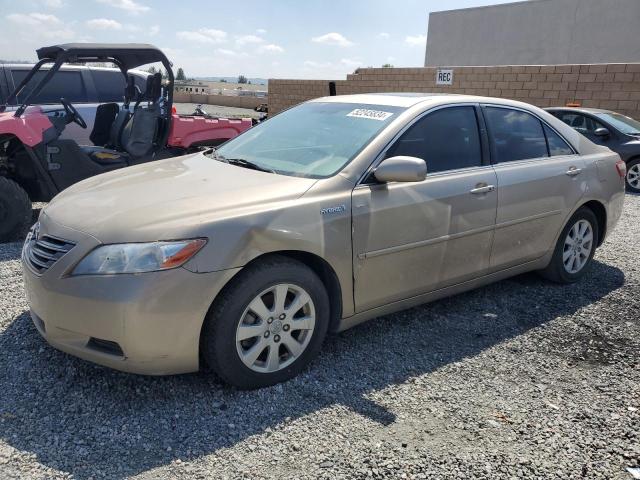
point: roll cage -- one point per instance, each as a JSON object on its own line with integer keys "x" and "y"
{"x": 125, "y": 56}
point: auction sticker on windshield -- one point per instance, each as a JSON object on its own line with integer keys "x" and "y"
{"x": 371, "y": 114}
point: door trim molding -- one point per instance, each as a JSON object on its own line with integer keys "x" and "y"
{"x": 537, "y": 216}
{"x": 423, "y": 243}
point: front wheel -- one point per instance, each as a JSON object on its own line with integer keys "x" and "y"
{"x": 574, "y": 251}
{"x": 267, "y": 325}
{"x": 633, "y": 176}
{"x": 15, "y": 210}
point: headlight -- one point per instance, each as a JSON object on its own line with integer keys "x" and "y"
{"x": 138, "y": 257}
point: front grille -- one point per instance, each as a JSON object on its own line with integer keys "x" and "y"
{"x": 43, "y": 252}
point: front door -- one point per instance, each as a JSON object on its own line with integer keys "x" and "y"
{"x": 540, "y": 181}
{"x": 411, "y": 238}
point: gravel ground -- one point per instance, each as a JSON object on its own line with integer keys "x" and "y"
{"x": 218, "y": 111}
{"x": 521, "y": 379}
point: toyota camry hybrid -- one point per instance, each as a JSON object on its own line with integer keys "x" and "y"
{"x": 329, "y": 214}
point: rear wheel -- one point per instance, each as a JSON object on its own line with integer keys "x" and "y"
{"x": 633, "y": 176}
{"x": 15, "y": 210}
{"x": 267, "y": 325}
{"x": 575, "y": 248}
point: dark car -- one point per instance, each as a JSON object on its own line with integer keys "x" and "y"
{"x": 614, "y": 130}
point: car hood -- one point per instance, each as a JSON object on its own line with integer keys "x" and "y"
{"x": 169, "y": 199}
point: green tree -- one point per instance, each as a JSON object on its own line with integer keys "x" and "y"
{"x": 152, "y": 69}
{"x": 180, "y": 75}
{"x": 242, "y": 79}
{"x": 387, "y": 65}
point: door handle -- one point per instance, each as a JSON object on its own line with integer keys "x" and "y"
{"x": 480, "y": 188}
{"x": 573, "y": 171}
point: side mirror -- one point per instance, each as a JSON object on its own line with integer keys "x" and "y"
{"x": 401, "y": 169}
{"x": 601, "y": 132}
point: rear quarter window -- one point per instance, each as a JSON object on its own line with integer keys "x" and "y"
{"x": 557, "y": 146}
{"x": 65, "y": 83}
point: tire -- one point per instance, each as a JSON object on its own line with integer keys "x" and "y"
{"x": 558, "y": 271}
{"x": 632, "y": 179}
{"x": 15, "y": 210}
{"x": 231, "y": 317}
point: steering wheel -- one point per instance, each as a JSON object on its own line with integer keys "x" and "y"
{"x": 72, "y": 113}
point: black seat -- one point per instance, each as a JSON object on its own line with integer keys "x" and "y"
{"x": 110, "y": 152}
{"x": 140, "y": 134}
{"x": 106, "y": 114}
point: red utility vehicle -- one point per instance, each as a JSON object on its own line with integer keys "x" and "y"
{"x": 36, "y": 164}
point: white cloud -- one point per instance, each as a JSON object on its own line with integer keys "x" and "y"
{"x": 53, "y": 3}
{"x": 261, "y": 31}
{"x": 271, "y": 48}
{"x": 203, "y": 35}
{"x": 34, "y": 19}
{"x": 227, "y": 52}
{"x": 314, "y": 64}
{"x": 245, "y": 39}
{"x": 332, "y": 38}
{"x": 383, "y": 35}
{"x": 416, "y": 40}
{"x": 129, "y": 5}
{"x": 348, "y": 62}
{"x": 104, "y": 24}
{"x": 154, "y": 30}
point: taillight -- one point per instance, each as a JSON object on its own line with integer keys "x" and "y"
{"x": 621, "y": 167}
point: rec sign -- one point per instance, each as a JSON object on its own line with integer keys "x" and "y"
{"x": 444, "y": 77}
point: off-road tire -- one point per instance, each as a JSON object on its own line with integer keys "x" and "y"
{"x": 15, "y": 210}
{"x": 556, "y": 271}
{"x": 218, "y": 338}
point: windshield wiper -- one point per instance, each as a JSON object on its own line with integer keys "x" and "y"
{"x": 240, "y": 162}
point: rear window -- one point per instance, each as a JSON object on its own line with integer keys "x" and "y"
{"x": 65, "y": 83}
{"x": 109, "y": 84}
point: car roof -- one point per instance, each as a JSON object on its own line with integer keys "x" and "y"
{"x": 578, "y": 109}
{"x": 407, "y": 99}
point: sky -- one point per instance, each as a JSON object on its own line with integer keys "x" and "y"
{"x": 323, "y": 39}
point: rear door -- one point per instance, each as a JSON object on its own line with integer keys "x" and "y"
{"x": 411, "y": 238}
{"x": 540, "y": 181}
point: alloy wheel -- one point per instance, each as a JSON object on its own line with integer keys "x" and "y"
{"x": 275, "y": 328}
{"x": 633, "y": 176}
{"x": 578, "y": 245}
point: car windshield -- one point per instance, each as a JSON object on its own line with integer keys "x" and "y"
{"x": 314, "y": 140}
{"x": 625, "y": 124}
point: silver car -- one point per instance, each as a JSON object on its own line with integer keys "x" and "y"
{"x": 329, "y": 214}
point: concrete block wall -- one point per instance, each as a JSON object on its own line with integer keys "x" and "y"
{"x": 223, "y": 100}
{"x": 613, "y": 86}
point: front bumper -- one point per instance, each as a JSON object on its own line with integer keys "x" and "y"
{"x": 146, "y": 323}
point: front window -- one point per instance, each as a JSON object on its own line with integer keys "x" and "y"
{"x": 314, "y": 140}
{"x": 447, "y": 139}
{"x": 623, "y": 123}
